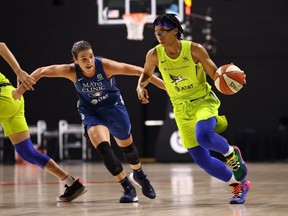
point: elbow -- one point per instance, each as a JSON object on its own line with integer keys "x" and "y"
{"x": 2, "y": 48}
{"x": 2, "y": 44}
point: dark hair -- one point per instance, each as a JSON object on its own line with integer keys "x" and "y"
{"x": 80, "y": 46}
{"x": 172, "y": 20}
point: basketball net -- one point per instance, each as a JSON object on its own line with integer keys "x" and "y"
{"x": 135, "y": 25}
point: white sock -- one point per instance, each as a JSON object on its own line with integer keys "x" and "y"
{"x": 68, "y": 180}
{"x": 230, "y": 150}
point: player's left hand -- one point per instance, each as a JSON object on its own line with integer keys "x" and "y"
{"x": 26, "y": 80}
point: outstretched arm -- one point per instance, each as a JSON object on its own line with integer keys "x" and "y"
{"x": 22, "y": 76}
{"x": 112, "y": 67}
{"x": 61, "y": 71}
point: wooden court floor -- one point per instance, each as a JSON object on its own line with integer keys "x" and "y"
{"x": 182, "y": 189}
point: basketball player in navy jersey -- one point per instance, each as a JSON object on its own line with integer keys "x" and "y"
{"x": 103, "y": 112}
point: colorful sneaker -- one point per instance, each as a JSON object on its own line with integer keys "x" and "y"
{"x": 145, "y": 185}
{"x": 129, "y": 196}
{"x": 239, "y": 191}
{"x": 72, "y": 192}
{"x": 237, "y": 163}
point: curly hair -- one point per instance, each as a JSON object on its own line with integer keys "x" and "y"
{"x": 171, "y": 20}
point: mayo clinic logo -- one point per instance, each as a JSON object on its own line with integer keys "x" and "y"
{"x": 176, "y": 144}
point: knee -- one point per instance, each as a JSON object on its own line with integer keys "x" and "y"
{"x": 110, "y": 160}
{"x": 204, "y": 137}
{"x": 104, "y": 148}
{"x": 28, "y": 153}
{"x": 130, "y": 154}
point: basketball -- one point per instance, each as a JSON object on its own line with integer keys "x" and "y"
{"x": 229, "y": 79}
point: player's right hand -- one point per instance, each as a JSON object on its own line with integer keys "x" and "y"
{"x": 143, "y": 95}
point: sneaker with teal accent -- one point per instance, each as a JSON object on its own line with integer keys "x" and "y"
{"x": 239, "y": 191}
{"x": 239, "y": 167}
{"x": 129, "y": 195}
{"x": 144, "y": 184}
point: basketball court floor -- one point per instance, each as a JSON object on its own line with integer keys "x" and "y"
{"x": 182, "y": 189}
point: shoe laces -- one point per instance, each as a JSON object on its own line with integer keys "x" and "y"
{"x": 236, "y": 189}
{"x": 233, "y": 162}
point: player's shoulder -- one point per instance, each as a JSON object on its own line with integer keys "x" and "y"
{"x": 69, "y": 67}
{"x": 152, "y": 52}
{"x": 152, "y": 56}
{"x": 196, "y": 46}
{"x": 198, "y": 50}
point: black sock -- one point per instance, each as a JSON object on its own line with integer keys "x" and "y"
{"x": 126, "y": 183}
{"x": 139, "y": 173}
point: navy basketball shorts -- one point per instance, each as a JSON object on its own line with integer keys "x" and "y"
{"x": 115, "y": 118}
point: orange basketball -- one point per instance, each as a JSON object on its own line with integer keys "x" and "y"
{"x": 229, "y": 79}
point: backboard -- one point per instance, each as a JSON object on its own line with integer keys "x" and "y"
{"x": 110, "y": 12}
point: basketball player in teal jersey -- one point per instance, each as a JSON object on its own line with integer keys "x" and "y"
{"x": 103, "y": 112}
{"x": 14, "y": 124}
{"x": 182, "y": 65}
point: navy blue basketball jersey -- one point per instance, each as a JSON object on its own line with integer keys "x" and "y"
{"x": 97, "y": 91}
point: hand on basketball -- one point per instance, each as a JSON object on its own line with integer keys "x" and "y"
{"x": 244, "y": 77}
{"x": 244, "y": 81}
{"x": 142, "y": 94}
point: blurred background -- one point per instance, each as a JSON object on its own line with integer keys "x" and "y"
{"x": 250, "y": 34}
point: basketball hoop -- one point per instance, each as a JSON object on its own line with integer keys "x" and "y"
{"x": 135, "y": 25}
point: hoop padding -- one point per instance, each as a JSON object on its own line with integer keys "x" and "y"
{"x": 135, "y": 25}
